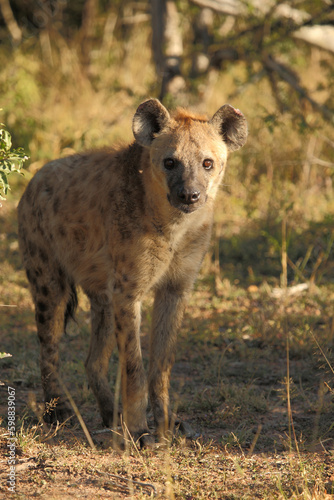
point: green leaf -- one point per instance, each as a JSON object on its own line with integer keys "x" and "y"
{"x": 10, "y": 160}
{"x": 5, "y": 140}
{"x": 4, "y": 182}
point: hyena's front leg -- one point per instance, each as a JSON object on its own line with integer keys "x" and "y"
{"x": 134, "y": 384}
{"x": 168, "y": 311}
{"x": 100, "y": 350}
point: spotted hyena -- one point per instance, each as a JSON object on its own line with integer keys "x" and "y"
{"x": 118, "y": 223}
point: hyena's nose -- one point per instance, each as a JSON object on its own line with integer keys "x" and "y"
{"x": 188, "y": 196}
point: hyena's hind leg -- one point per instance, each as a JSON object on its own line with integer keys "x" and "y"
{"x": 55, "y": 300}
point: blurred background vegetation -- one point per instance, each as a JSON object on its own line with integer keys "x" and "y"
{"x": 73, "y": 73}
{"x": 71, "y": 77}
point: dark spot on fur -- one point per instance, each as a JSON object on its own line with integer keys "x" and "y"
{"x": 126, "y": 234}
{"x": 158, "y": 228}
{"x": 118, "y": 288}
{"x": 129, "y": 340}
{"x": 101, "y": 323}
{"x": 174, "y": 288}
{"x": 40, "y": 318}
{"x": 71, "y": 306}
{"x": 130, "y": 296}
{"x": 39, "y": 215}
{"x": 49, "y": 190}
{"x": 32, "y": 248}
{"x": 42, "y": 306}
{"x": 118, "y": 326}
{"x": 39, "y": 271}
{"x": 125, "y": 278}
{"x": 43, "y": 255}
{"x": 62, "y": 279}
{"x": 130, "y": 369}
{"x": 31, "y": 277}
{"x": 61, "y": 231}
{"x": 56, "y": 205}
{"x": 50, "y": 350}
{"x": 45, "y": 291}
{"x": 80, "y": 236}
{"x": 98, "y": 177}
{"x": 103, "y": 209}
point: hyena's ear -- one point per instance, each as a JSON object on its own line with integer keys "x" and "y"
{"x": 231, "y": 124}
{"x": 150, "y": 118}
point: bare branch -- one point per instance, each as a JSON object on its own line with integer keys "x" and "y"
{"x": 322, "y": 163}
{"x": 320, "y": 36}
{"x": 287, "y": 76}
{"x": 260, "y": 7}
{"x": 228, "y": 7}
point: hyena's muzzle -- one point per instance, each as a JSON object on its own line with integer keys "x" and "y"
{"x": 187, "y": 190}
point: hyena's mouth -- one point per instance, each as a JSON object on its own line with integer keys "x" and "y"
{"x": 184, "y": 207}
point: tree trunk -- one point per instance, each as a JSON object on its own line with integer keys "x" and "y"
{"x": 87, "y": 29}
{"x": 10, "y": 21}
{"x": 202, "y": 39}
{"x": 167, "y": 46}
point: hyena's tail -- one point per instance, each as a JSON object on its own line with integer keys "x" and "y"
{"x": 72, "y": 304}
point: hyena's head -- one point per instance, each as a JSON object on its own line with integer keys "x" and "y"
{"x": 188, "y": 153}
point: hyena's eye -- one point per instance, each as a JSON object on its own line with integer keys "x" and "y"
{"x": 207, "y": 164}
{"x": 169, "y": 163}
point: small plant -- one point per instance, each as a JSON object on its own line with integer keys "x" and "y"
{"x": 11, "y": 160}
{"x": 5, "y": 355}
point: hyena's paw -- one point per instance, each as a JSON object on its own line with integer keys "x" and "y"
{"x": 186, "y": 430}
{"x": 143, "y": 439}
{"x": 56, "y": 411}
{"x": 176, "y": 427}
